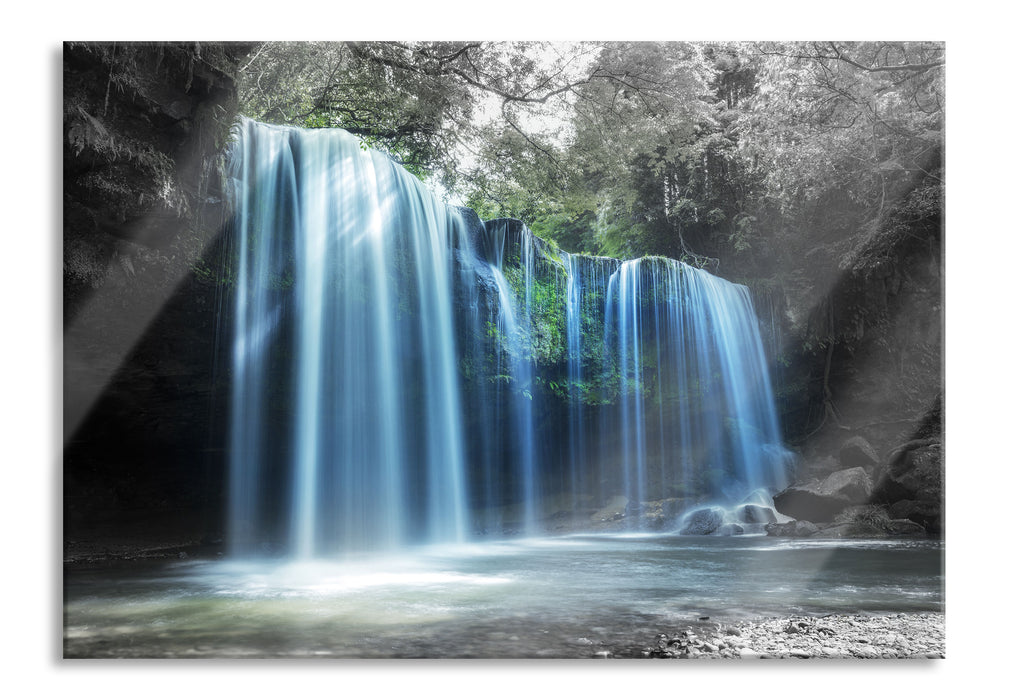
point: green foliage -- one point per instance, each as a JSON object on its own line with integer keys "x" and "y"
{"x": 545, "y": 342}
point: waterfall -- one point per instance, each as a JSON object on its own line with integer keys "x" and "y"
{"x": 403, "y": 373}
{"x": 513, "y": 326}
{"x": 576, "y": 366}
{"x": 693, "y": 405}
{"x": 343, "y": 314}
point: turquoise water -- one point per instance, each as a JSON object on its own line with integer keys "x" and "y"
{"x": 565, "y": 597}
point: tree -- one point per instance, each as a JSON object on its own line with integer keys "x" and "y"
{"x": 727, "y": 155}
{"x": 846, "y": 126}
{"x": 512, "y": 126}
{"x": 672, "y": 187}
{"x": 428, "y": 103}
{"x": 637, "y": 102}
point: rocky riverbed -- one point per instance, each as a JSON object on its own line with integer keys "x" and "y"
{"x": 897, "y": 636}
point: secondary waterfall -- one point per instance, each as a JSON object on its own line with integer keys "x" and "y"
{"x": 403, "y": 373}
{"x": 694, "y": 403}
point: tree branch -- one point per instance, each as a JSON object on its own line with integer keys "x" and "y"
{"x": 532, "y": 143}
{"x": 913, "y": 67}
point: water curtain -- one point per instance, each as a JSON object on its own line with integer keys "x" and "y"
{"x": 402, "y": 373}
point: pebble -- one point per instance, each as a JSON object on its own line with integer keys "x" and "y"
{"x": 897, "y": 636}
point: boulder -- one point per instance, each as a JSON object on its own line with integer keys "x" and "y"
{"x": 916, "y": 475}
{"x": 870, "y": 529}
{"x": 928, "y": 514}
{"x": 857, "y": 452}
{"x": 703, "y": 521}
{"x": 872, "y": 521}
{"x": 792, "y": 528}
{"x": 902, "y": 526}
{"x": 911, "y": 486}
{"x": 751, "y": 513}
{"x": 821, "y": 499}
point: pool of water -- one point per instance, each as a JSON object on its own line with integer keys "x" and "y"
{"x": 553, "y": 597}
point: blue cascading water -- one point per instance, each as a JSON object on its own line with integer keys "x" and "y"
{"x": 513, "y": 322}
{"x": 693, "y": 403}
{"x": 576, "y": 418}
{"x": 386, "y": 390}
{"x": 343, "y": 312}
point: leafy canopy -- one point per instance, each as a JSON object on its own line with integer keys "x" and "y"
{"x": 717, "y": 153}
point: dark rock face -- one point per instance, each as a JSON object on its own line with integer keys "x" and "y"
{"x": 822, "y": 499}
{"x": 928, "y": 514}
{"x": 144, "y": 128}
{"x": 144, "y": 132}
{"x": 917, "y": 475}
{"x": 865, "y": 355}
{"x": 912, "y": 485}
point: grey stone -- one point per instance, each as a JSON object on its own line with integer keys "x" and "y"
{"x": 915, "y": 475}
{"x": 792, "y": 528}
{"x": 912, "y": 486}
{"x": 820, "y": 500}
{"x": 928, "y": 514}
{"x": 703, "y": 521}
{"x": 751, "y": 513}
